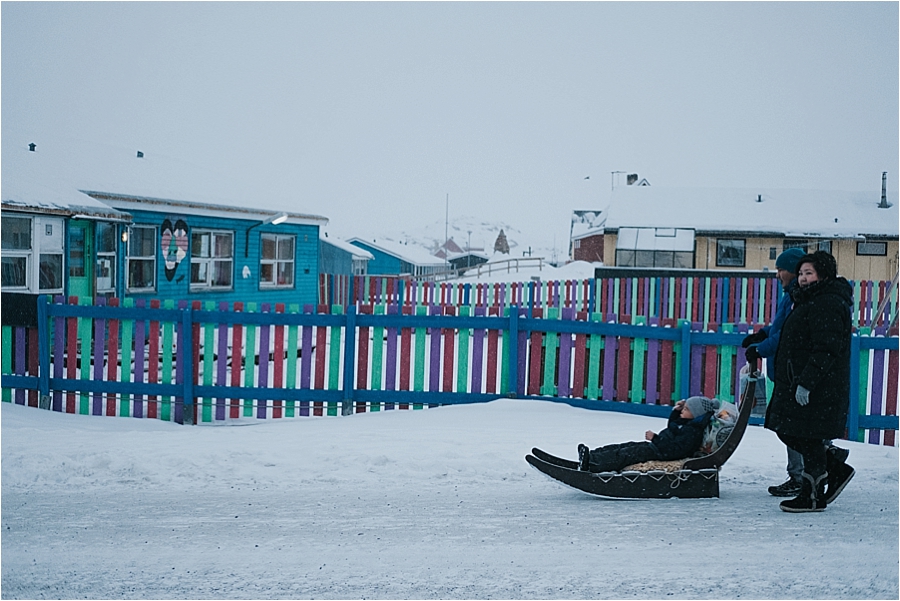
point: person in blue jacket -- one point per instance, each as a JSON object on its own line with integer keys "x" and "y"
{"x": 763, "y": 343}
{"x": 681, "y": 438}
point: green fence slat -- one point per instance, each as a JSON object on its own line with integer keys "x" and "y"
{"x": 209, "y": 350}
{"x": 551, "y": 344}
{"x": 290, "y": 375}
{"x": 726, "y": 363}
{"x": 595, "y": 345}
{"x": 462, "y": 354}
{"x": 85, "y": 329}
{"x": 126, "y": 331}
{"x": 421, "y": 367}
{"x": 863, "y": 384}
{"x": 639, "y": 345}
{"x": 168, "y": 337}
{"x": 377, "y": 369}
{"x": 334, "y": 359}
{"x": 249, "y": 361}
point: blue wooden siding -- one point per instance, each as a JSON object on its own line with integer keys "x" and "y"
{"x": 176, "y": 283}
{"x": 334, "y": 260}
{"x": 383, "y": 263}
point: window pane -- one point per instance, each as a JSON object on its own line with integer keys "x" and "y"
{"x": 106, "y": 273}
{"x": 221, "y": 273}
{"x": 200, "y": 245}
{"x": 876, "y": 249}
{"x": 15, "y": 271}
{"x": 16, "y": 233}
{"x": 684, "y": 260}
{"x": 825, "y": 245}
{"x": 625, "y": 258}
{"x": 140, "y": 274}
{"x": 286, "y": 249}
{"x": 730, "y": 253}
{"x": 142, "y": 242}
{"x": 267, "y": 273}
{"x": 223, "y": 245}
{"x": 268, "y": 246}
{"x": 198, "y": 273}
{"x": 106, "y": 237}
{"x": 286, "y": 273}
{"x": 664, "y": 258}
{"x": 643, "y": 258}
{"x": 76, "y": 252}
{"x": 51, "y": 272}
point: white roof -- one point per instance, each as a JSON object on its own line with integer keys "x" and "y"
{"x": 587, "y": 223}
{"x": 801, "y": 213}
{"x": 56, "y": 173}
{"x": 411, "y": 253}
{"x": 354, "y": 250}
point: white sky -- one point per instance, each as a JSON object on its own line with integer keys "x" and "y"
{"x": 371, "y": 113}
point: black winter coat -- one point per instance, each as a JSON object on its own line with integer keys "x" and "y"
{"x": 814, "y": 352}
{"x": 682, "y": 437}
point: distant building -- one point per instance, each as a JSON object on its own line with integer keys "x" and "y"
{"x": 466, "y": 259}
{"x": 748, "y": 228}
{"x": 337, "y": 257}
{"x": 586, "y": 235}
{"x": 395, "y": 258}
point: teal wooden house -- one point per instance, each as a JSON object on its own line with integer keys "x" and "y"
{"x": 92, "y": 221}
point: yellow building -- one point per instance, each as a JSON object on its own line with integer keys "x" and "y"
{"x": 709, "y": 228}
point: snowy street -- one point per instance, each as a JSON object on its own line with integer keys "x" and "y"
{"x": 425, "y": 504}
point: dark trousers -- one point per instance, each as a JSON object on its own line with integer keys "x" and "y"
{"x": 813, "y": 451}
{"x": 614, "y": 457}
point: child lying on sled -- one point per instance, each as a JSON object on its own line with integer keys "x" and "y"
{"x": 681, "y": 438}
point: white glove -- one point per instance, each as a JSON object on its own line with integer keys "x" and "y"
{"x": 802, "y": 396}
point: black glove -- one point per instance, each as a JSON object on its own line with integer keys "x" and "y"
{"x": 754, "y": 338}
{"x": 752, "y": 354}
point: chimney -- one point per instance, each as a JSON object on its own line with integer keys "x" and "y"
{"x": 884, "y": 203}
{"x": 32, "y": 146}
{"x": 632, "y": 178}
{"x": 759, "y": 198}
{"x": 140, "y": 154}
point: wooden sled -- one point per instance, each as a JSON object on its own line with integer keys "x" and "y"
{"x": 697, "y": 478}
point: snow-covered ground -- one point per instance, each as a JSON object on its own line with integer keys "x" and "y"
{"x": 425, "y": 504}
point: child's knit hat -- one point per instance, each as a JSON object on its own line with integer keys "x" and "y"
{"x": 698, "y": 405}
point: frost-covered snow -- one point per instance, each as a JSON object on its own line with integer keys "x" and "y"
{"x": 412, "y": 504}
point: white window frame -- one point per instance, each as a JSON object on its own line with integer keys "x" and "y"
{"x": 275, "y": 262}
{"x": 151, "y": 258}
{"x": 105, "y": 256}
{"x": 47, "y": 236}
{"x": 209, "y": 262}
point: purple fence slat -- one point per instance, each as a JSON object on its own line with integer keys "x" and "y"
{"x": 610, "y": 345}
{"x": 179, "y": 365}
{"x": 477, "y": 352}
{"x": 306, "y": 353}
{"x": 263, "y": 376}
{"x": 222, "y": 363}
{"x": 99, "y": 340}
{"x": 877, "y": 394}
{"x": 390, "y": 367}
{"x": 139, "y": 340}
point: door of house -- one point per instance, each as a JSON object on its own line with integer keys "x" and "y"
{"x": 81, "y": 276}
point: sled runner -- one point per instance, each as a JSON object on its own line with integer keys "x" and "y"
{"x": 697, "y": 478}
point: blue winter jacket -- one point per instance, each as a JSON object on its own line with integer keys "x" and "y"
{"x": 682, "y": 437}
{"x": 767, "y": 347}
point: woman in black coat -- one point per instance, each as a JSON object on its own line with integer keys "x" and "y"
{"x": 812, "y": 380}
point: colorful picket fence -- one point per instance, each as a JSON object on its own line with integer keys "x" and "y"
{"x": 207, "y": 362}
{"x": 709, "y": 300}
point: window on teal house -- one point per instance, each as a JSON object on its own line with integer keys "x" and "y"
{"x": 106, "y": 257}
{"x": 212, "y": 259}
{"x": 141, "y": 259}
{"x": 276, "y": 265}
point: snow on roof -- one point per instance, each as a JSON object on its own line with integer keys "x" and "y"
{"x": 354, "y": 250}
{"x": 468, "y": 253}
{"x": 57, "y": 171}
{"x": 802, "y": 213}
{"x": 655, "y": 238}
{"x": 587, "y": 223}
{"x": 415, "y": 255}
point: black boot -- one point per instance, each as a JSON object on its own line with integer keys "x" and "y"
{"x": 839, "y": 473}
{"x": 584, "y": 458}
{"x": 812, "y": 495}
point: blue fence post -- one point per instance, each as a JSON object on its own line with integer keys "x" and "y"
{"x": 513, "y": 359}
{"x": 853, "y": 415}
{"x": 349, "y": 363}
{"x": 685, "y": 360}
{"x": 43, "y": 352}
{"x": 187, "y": 355}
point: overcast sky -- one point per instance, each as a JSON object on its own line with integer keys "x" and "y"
{"x": 370, "y": 114}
